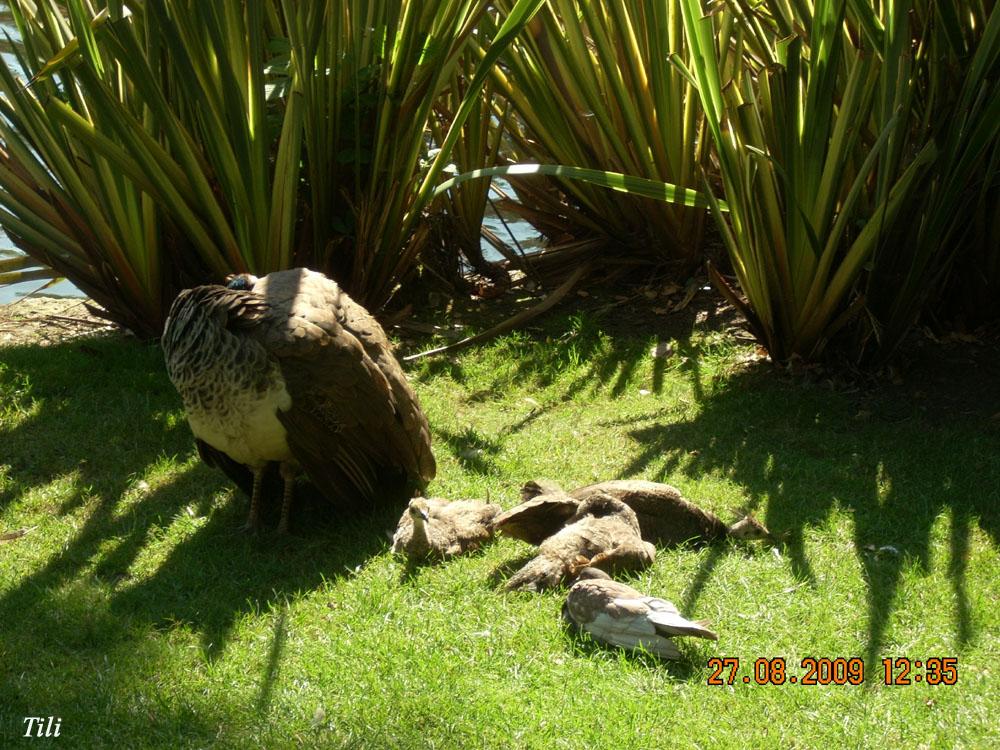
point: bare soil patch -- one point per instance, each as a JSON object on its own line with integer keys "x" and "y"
{"x": 44, "y": 321}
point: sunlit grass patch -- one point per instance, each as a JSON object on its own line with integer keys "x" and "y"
{"x": 138, "y": 611}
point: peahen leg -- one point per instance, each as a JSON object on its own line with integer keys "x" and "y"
{"x": 287, "y": 474}
{"x": 253, "y": 522}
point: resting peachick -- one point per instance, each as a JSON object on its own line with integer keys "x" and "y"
{"x": 618, "y": 615}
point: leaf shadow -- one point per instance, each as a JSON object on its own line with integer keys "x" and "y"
{"x": 103, "y": 436}
{"x": 895, "y": 479}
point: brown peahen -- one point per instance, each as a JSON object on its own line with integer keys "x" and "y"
{"x": 288, "y": 369}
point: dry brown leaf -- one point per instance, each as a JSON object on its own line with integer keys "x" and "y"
{"x": 689, "y": 292}
{"x": 965, "y": 338}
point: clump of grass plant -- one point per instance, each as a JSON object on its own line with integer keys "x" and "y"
{"x": 592, "y": 86}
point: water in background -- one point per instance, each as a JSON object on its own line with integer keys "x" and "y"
{"x": 523, "y": 233}
{"x": 515, "y": 232}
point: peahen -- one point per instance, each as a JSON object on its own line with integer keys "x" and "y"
{"x": 288, "y": 369}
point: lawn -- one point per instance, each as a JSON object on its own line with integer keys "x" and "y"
{"x": 138, "y": 613}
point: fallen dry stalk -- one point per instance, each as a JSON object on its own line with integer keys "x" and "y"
{"x": 514, "y": 321}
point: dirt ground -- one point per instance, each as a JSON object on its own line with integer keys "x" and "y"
{"x": 49, "y": 320}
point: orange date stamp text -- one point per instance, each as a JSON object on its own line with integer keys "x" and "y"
{"x": 837, "y": 671}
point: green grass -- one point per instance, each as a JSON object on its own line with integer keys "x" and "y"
{"x": 139, "y": 614}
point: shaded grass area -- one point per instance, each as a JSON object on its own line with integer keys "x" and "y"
{"x": 137, "y": 612}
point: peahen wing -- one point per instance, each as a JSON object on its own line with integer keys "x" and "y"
{"x": 347, "y": 421}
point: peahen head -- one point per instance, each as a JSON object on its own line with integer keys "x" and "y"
{"x": 418, "y": 510}
{"x": 749, "y": 527}
{"x": 241, "y": 282}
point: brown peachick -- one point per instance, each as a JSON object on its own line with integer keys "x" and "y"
{"x": 617, "y": 615}
{"x": 433, "y": 528}
{"x": 603, "y": 533}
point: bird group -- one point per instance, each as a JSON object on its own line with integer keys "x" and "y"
{"x": 288, "y": 371}
{"x": 583, "y": 537}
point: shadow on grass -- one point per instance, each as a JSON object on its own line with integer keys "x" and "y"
{"x": 263, "y": 702}
{"x": 609, "y": 362}
{"x": 613, "y": 343}
{"x": 216, "y": 575}
{"x": 475, "y": 451}
{"x": 86, "y": 425}
{"x": 683, "y": 669}
{"x": 100, "y": 418}
{"x": 501, "y": 573}
{"x": 894, "y": 457}
{"x": 802, "y": 451}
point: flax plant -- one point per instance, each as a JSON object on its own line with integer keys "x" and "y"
{"x": 789, "y": 100}
{"x": 141, "y": 157}
{"x": 945, "y": 235}
{"x": 460, "y": 218}
{"x": 21, "y": 268}
{"x": 372, "y": 73}
{"x": 592, "y": 86}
